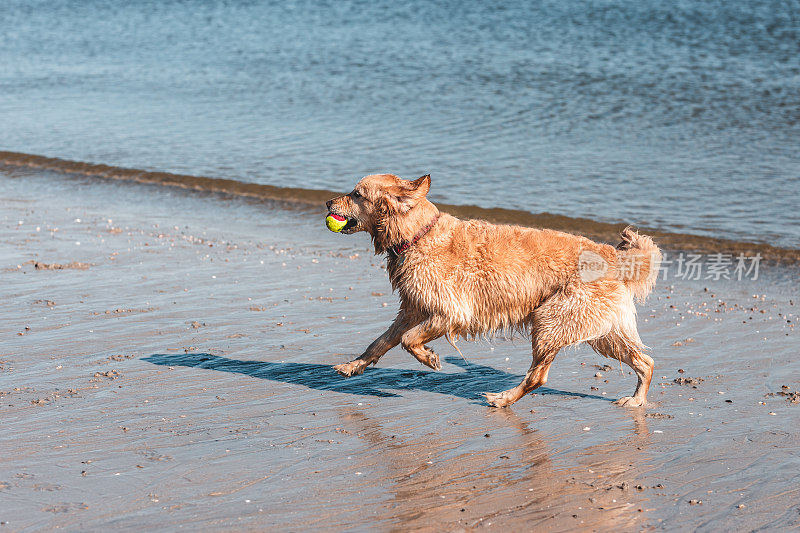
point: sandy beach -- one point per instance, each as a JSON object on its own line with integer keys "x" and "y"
{"x": 166, "y": 362}
{"x": 173, "y": 306}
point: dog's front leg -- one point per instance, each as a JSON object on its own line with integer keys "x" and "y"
{"x": 390, "y": 338}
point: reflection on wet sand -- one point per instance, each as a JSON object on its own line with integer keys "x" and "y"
{"x": 454, "y": 477}
{"x": 435, "y": 471}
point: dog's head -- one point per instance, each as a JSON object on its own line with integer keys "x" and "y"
{"x": 382, "y": 205}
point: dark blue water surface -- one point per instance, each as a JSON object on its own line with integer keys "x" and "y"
{"x": 679, "y": 115}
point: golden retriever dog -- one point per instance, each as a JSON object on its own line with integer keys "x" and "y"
{"x": 469, "y": 278}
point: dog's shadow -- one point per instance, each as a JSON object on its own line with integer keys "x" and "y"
{"x": 469, "y": 384}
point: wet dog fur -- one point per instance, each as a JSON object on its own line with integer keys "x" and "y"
{"x": 469, "y": 278}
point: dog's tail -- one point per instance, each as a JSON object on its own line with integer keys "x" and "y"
{"x": 638, "y": 263}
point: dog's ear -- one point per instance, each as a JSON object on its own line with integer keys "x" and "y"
{"x": 408, "y": 193}
{"x": 422, "y": 185}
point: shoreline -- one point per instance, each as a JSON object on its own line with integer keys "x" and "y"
{"x": 314, "y": 198}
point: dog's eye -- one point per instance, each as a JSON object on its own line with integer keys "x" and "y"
{"x": 355, "y": 194}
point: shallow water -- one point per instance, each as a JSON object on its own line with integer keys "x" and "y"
{"x": 680, "y": 116}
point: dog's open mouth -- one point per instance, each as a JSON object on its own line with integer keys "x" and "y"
{"x": 340, "y": 223}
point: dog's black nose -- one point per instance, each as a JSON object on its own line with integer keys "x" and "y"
{"x": 328, "y": 204}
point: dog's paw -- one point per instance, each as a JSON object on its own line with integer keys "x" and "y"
{"x": 630, "y": 401}
{"x": 428, "y": 357}
{"x": 352, "y": 368}
{"x": 497, "y": 399}
{"x": 433, "y": 360}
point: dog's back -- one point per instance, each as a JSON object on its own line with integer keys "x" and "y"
{"x": 482, "y": 277}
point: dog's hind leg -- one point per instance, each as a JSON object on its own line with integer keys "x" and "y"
{"x": 642, "y": 364}
{"x": 390, "y": 338}
{"x": 629, "y": 351}
{"x": 543, "y": 355}
{"x": 414, "y": 340}
{"x": 564, "y": 319}
{"x": 624, "y": 344}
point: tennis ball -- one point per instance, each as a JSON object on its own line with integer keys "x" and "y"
{"x": 335, "y": 223}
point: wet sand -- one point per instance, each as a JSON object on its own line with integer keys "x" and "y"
{"x": 175, "y": 372}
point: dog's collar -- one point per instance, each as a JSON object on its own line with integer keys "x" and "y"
{"x": 402, "y": 247}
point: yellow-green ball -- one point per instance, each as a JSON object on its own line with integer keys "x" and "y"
{"x": 334, "y": 224}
